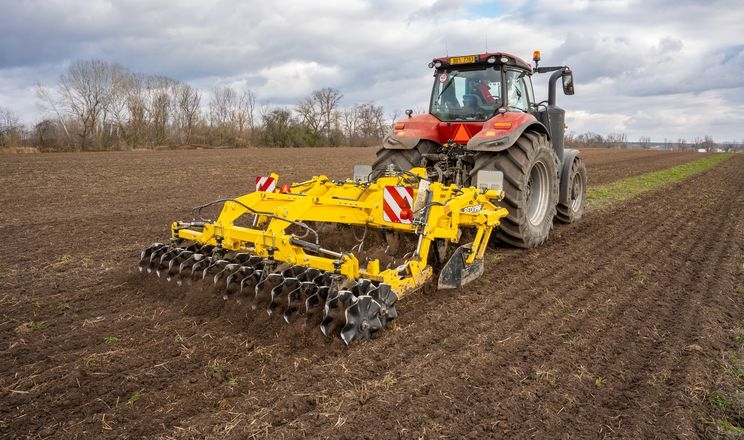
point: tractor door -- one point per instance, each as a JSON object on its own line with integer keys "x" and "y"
{"x": 520, "y": 96}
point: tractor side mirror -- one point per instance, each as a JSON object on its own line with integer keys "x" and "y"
{"x": 568, "y": 85}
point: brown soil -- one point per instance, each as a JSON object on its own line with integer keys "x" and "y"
{"x": 627, "y": 324}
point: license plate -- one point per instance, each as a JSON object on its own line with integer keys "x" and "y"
{"x": 462, "y": 60}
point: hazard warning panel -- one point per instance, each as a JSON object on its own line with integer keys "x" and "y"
{"x": 397, "y": 203}
{"x": 265, "y": 183}
{"x": 461, "y": 135}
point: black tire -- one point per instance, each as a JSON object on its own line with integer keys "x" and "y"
{"x": 573, "y": 209}
{"x": 530, "y": 168}
{"x": 403, "y": 159}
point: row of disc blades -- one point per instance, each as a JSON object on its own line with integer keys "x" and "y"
{"x": 358, "y": 308}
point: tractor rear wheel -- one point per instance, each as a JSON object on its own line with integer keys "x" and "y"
{"x": 530, "y": 168}
{"x": 404, "y": 159}
{"x": 573, "y": 209}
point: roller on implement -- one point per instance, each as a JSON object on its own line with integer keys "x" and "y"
{"x": 486, "y": 161}
{"x": 280, "y": 248}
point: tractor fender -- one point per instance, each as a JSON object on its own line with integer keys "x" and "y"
{"x": 392, "y": 142}
{"x": 502, "y": 131}
{"x": 569, "y": 154}
{"x": 407, "y": 133}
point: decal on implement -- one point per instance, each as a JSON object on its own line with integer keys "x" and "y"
{"x": 397, "y": 202}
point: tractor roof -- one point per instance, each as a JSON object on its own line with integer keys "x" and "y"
{"x": 489, "y": 58}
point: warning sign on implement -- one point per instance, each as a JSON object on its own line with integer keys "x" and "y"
{"x": 397, "y": 203}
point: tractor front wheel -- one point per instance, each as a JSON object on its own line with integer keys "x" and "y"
{"x": 530, "y": 168}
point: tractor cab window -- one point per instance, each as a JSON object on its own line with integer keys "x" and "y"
{"x": 519, "y": 95}
{"x": 467, "y": 95}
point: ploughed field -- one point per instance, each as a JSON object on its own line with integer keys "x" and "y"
{"x": 627, "y": 324}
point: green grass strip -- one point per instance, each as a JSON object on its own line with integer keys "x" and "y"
{"x": 729, "y": 427}
{"x": 600, "y": 197}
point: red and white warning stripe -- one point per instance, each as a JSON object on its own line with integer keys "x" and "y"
{"x": 265, "y": 183}
{"x": 397, "y": 203}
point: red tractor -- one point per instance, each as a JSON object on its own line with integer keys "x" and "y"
{"x": 484, "y": 120}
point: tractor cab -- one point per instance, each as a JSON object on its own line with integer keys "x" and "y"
{"x": 477, "y": 87}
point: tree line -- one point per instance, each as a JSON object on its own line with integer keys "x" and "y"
{"x": 98, "y": 105}
{"x": 620, "y": 140}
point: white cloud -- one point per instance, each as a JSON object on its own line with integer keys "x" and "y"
{"x": 658, "y": 68}
{"x": 295, "y": 78}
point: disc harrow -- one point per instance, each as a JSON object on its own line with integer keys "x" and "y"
{"x": 355, "y": 310}
{"x": 341, "y": 253}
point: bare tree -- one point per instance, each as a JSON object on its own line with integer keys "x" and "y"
{"x": 11, "y": 129}
{"x": 644, "y": 141}
{"x": 243, "y": 117}
{"x": 47, "y": 98}
{"x": 102, "y": 105}
{"x": 136, "y": 105}
{"x": 591, "y": 139}
{"x": 220, "y": 105}
{"x": 87, "y": 90}
{"x": 328, "y": 100}
{"x": 310, "y": 115}
{"x": 232, "y": 115}
{"x": 706, "y": 144}
{"x": 118, "y": 103}
{"x": 616, "y": 140}
{"x": 364, "y": 124}
{"x": 373, "y": 120}
{"x": 159, "y": 97}
{"x": 709, "y": 144}
{"x": 186, "y": 111}
{"x": 350, "y": 122}
{"x": 221, "y": 108}
{"x": 319, "y": 113}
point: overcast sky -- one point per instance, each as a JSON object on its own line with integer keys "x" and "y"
{"x": 666, "y": 69}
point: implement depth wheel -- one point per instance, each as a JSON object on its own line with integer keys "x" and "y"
{"x": 573, "y": 208}
{"x": 530, "y": 168}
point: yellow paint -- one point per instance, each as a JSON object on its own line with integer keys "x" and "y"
{"x": 320, "y": 200}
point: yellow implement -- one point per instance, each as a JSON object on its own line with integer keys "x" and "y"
{"x": 350, "y": 247}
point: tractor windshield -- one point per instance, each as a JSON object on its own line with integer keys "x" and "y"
{"x": 467, "y": 95}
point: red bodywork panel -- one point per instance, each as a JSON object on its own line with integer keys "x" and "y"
{"x": 427, "y": 126}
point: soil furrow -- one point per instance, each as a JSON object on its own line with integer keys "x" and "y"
{"x": 622, "y": 325}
